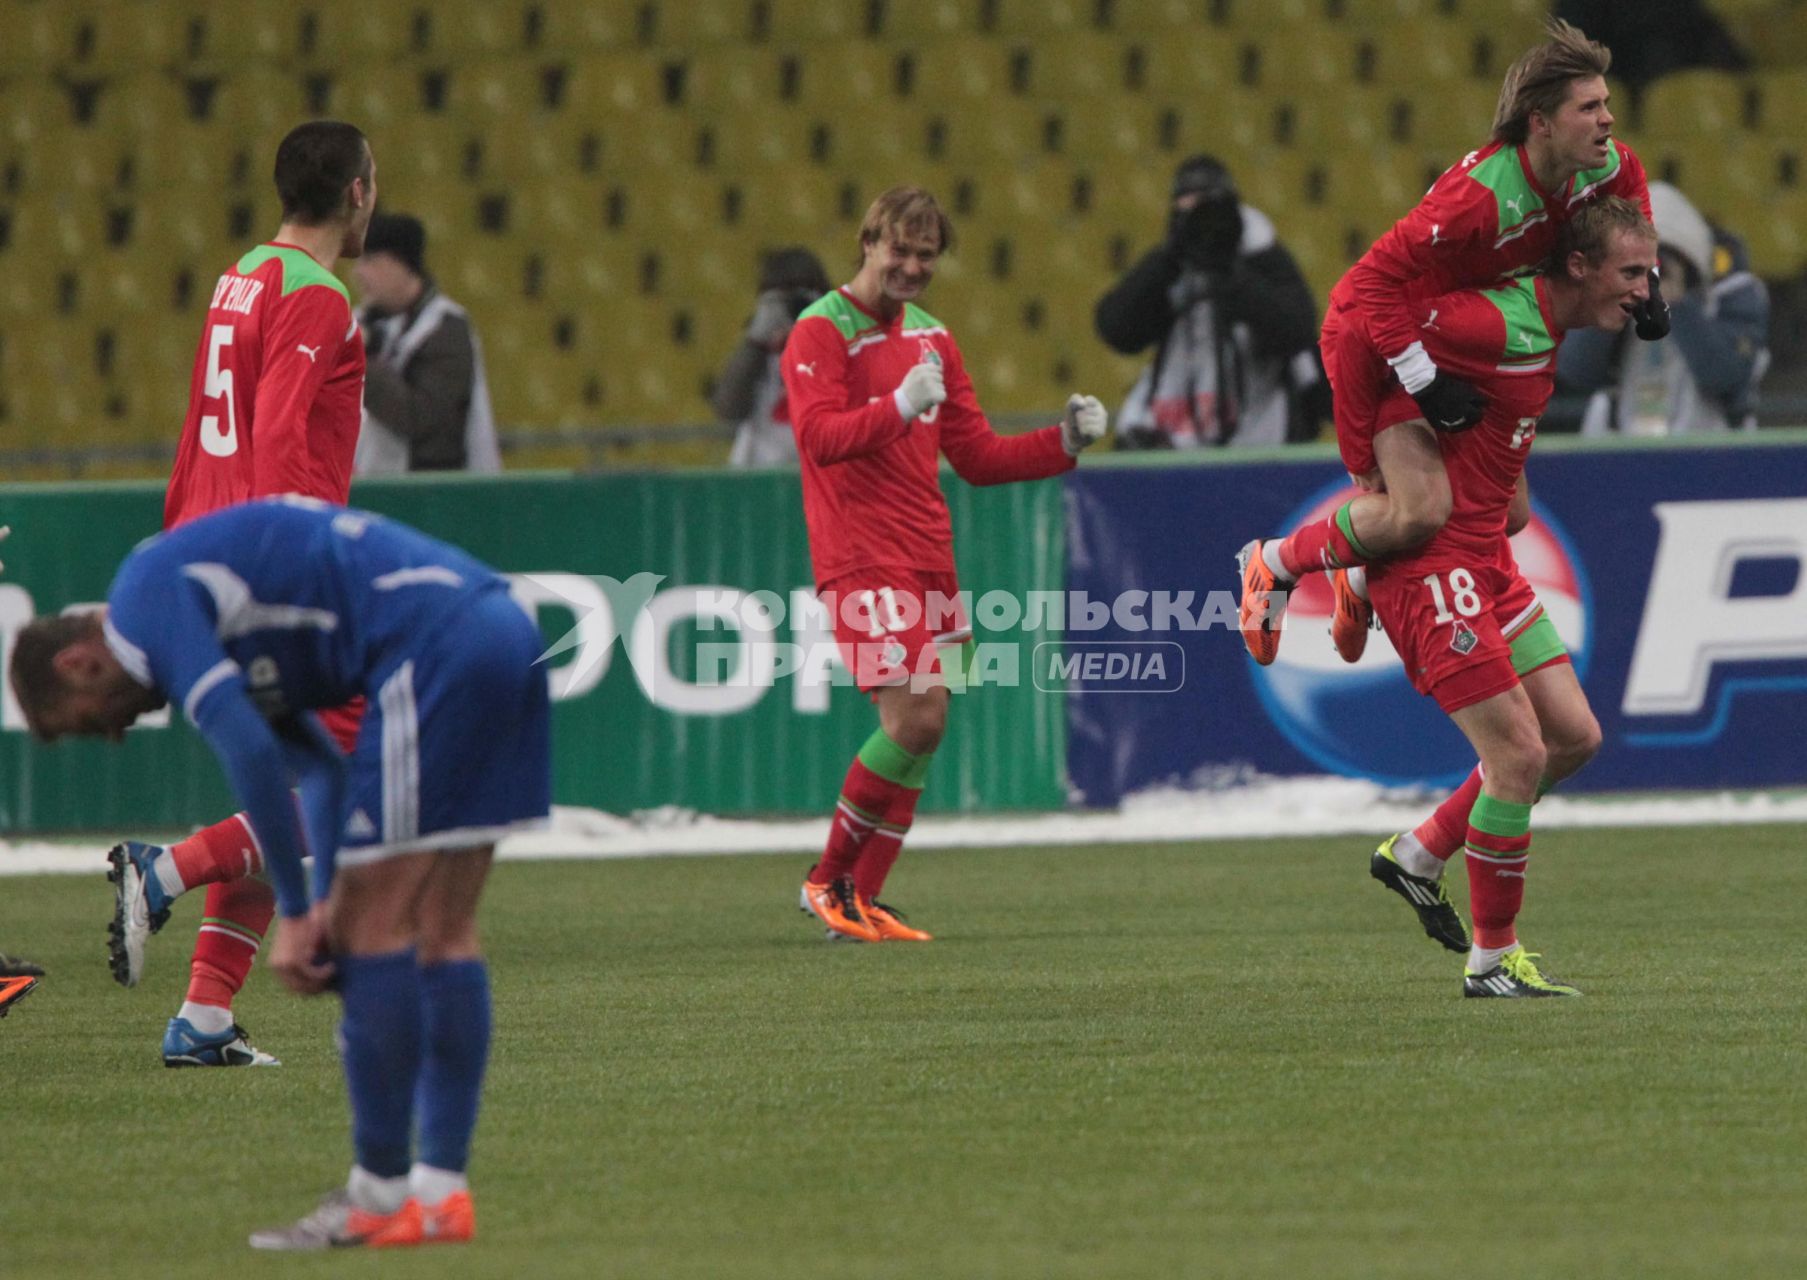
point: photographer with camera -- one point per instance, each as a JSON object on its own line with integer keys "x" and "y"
{"x": 1232, "y": 321}
{"x": 749, "y": 391}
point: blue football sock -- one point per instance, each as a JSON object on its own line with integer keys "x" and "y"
{"x": 380, "y": 1042}
{"x": 455, "y": 997}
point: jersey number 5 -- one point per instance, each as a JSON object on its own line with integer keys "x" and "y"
{"x": 218, "y": 386}
{"x": 1461, "y": 594}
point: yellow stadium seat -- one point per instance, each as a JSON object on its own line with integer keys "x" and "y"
{"x": 1078, "y": 67}
{"x": 572, "y": 27}
{"x": 840, "y": 78}
{"x": 1693, "y": 104}
{"x": 1149, "y": 17}
{"x": 1033, "y": 17}
{"x": 611, "y": 87}
{"x": 731, "y": 79}
{"x": 945, "y": 71}
{"x": 823, "y": 21}
{"x": 1204, "y": 62}
{"x": 357, "y": 31}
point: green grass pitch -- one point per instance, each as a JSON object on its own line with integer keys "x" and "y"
{"x": 1212, "y": 1060}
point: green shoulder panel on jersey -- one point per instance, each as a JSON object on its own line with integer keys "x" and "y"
{"x": 1529, "y": 345}
{"x": 1588, "y": 181}
{"x": 916, "y": 318}
{"x": 836, "y": 308}
{"x": 1520, "y": 207}
{"x": 298, "y": 269}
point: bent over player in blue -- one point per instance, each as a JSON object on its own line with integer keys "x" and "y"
{"x": 252, "y": 618}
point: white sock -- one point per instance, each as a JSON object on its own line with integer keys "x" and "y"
{"x": 208, "y": 1019}
{"x": 431, "y": 1186}
{"x": 1358, "y": 580}
{"x": 1270, "y": 556}
{"x": 1481, "y": 959}
{"x": 1410, "y": 853}
{"x": 376, "y": 1195}
{"x": 163, "y": 866}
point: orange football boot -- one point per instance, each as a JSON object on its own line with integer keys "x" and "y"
{"x": 889, "y": 922}
{"x": 1263, "y": 604}
{"x": 452, "y": 1221}
{"x": 13, "y": 990}
{"x": 387, "y": 1230}
{"x": 834, "y": 905}
{"x": 1353, "y": 619}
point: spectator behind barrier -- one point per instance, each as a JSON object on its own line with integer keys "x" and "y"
{"x": 1704, "y": 378}
{"x": 426, "y": 400}
{"x": 1232, "y": 322}
{"x": 749, "y": 391}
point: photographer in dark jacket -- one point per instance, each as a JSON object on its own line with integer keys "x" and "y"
{"x": 749, "y": 391}
{"x": 1232, "y": 321}
{"x": 426, "y": 398}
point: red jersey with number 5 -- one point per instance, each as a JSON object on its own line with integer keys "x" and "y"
{"x": 277, "y": 391}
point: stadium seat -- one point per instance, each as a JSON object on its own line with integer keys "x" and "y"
{"x": 795, "y": 21}
{"x": 1695, "y": 103}
{"x": 1031, "y": 17}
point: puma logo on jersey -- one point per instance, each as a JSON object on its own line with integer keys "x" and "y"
{"x": 309, "y": 352}
{"x": 810, "y": 368}
{"x": 1435, "y": 228}
{"x": 1432, "y": 322}
{"x": 1470, "y": 158}
{"x": 1513, "y": 204}
{"x": 1524, "y": 340}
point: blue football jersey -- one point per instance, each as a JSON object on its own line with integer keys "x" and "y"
{"x": 253, "y": 616}
{"x": 298, "y": 600}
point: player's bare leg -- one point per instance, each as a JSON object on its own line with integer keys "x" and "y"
{"x": 1403, "y": 506}
{"x": 1505, "y": 734}
{"x": 1570, "y": 732}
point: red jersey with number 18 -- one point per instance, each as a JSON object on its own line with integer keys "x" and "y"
{"x": 277, "y": 391}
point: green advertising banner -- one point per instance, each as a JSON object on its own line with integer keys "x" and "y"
{"x": 658, "y": 700}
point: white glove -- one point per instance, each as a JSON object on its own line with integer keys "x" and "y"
{"x": 922, "y": 389}
{"x": 1084, "y": 424}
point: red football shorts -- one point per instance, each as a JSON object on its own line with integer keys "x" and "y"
{"x": 890, "y": 623}
{"x": 1454, "y": 626}
{"x": 1360, "y": 383}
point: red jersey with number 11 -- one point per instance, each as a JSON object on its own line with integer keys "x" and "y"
{"x": 277, "y": 391}
{"x": 871, "y": 481}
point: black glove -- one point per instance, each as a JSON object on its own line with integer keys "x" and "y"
{"x": 1652, "y": 315}
{"x": 1450, "y": 404}
{"x": 1209, "y": 234}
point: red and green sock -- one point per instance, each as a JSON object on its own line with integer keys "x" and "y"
{"x": 879, "y": 793}
{"x": 1499, "y": 851}
{"x": 1321, "y": 545}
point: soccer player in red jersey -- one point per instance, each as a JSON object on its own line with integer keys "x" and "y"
{"x": 1495, "y": 214}
{"x": 878, "y": 390}
{"x": 274, "y": 408}
{"x": 1466, "y": 623}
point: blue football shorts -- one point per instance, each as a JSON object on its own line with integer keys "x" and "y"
{"x": 456, "y": 746}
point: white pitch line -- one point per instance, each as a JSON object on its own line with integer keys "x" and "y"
{"x": 1270, "y": 807}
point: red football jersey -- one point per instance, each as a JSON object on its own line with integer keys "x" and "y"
{"x": 1504, "y": 342}
{"x": 1484, "y": 219}
{"x": 277, "y": 391}
{"x": 871, "y": 483}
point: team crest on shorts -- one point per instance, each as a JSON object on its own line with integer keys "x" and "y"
{"x": 1464, "y": 639}
{"x": 894, "y": 652}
